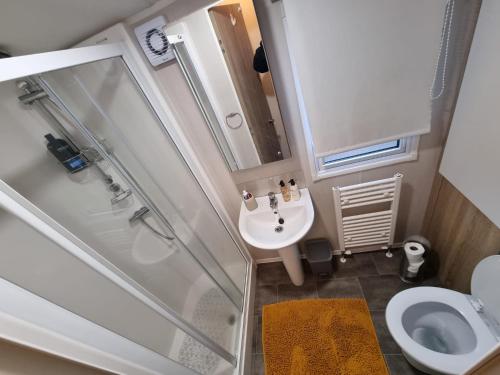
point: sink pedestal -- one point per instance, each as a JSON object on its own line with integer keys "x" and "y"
{"x": 293, "y": 264}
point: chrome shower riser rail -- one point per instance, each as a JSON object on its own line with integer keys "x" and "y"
{"x": 167, "y": 312}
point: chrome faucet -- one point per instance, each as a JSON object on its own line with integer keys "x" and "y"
{"x": 273, "y": 201}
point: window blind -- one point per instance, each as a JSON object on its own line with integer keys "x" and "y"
{"x": 365, "y": 68}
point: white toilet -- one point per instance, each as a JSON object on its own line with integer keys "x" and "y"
{"x": 441, "y": 331}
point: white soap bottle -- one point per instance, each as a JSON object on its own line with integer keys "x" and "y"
{"x": 249, "y": 199}
{"x": 294, "y": 190}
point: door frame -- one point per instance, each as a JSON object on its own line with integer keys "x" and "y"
{"x": 22, "y": 66}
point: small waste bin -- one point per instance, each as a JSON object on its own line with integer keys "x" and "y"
{"x": 319, "y": 256}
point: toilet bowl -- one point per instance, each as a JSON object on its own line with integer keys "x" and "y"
{"x": 441, "y": 331}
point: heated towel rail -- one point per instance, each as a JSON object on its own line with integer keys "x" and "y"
{"x": 373, "y": 228}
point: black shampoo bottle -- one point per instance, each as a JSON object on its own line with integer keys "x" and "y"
{"x": 70, "y": 158}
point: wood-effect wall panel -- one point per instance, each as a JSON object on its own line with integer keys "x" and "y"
{"x": 460, "y": 234}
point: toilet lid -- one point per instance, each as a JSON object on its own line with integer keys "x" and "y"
{"x": 485, "y": 283}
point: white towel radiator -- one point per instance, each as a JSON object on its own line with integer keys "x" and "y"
{"x": 371, "y": 228}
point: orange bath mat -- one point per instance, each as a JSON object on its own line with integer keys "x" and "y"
{"x": 320, "y": 337}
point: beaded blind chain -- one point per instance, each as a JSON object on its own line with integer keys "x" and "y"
{"x": 443, "y": 55}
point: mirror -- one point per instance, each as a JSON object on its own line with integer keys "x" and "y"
{"x": 226, "y": 65}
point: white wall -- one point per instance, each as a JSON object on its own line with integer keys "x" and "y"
{"x": 28, "y": 26}
{"x": 472, "y": 154}
{"x": 419, "y": 174}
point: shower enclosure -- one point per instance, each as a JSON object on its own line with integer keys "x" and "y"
{"x": 122, "y": 233}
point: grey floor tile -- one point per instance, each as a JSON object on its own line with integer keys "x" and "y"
{"x": 387, "y": 343}
{"x": 272, "y": 273}
{"x": 308, "y": 275}
{"x": 290, "y": 291}
{"x": 398, "y": 365}
{"x": 257, "y": 335}
{"x": 433, "y": 281}
{"x": 258, "y": 364}
{"x": 264, "y": 295}
{"x": 378, "y": 290}
{"x": 356, "y": 265}
{"x": 307, "y": 267}
{"x": 347, "y": 287}
{"x": 387, "y": 266}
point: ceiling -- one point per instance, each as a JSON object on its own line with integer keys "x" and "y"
{"x": 31, "y": 26}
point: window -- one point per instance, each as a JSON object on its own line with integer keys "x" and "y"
{"x": 372, "y": 156}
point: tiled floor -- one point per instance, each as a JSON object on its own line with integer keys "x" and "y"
{"x": 372, "y": 276}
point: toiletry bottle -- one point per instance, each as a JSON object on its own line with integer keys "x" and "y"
{"x": 249, "y": 199}
{"x": 70, "y": 158}
{"x": 294, "y": 190}
{"x": 284, "y": 191}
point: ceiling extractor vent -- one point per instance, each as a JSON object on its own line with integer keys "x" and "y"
{"x": 154, "y": 42}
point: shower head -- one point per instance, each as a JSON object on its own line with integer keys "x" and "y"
{"x": 30, "y": 97}
{"x": 32, "y": 90}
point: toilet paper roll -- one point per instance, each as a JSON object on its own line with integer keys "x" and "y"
{"x": 414, "y": 253}
{"x": 414, "y": 249}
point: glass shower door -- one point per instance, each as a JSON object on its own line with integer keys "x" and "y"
{"x": 139, "y": 207}
{"x": 105, "y": 101}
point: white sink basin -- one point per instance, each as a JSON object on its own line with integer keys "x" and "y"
{"x": 257, "y": 228}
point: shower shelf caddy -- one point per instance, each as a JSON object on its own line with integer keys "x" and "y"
{"x": 371, "y": 228}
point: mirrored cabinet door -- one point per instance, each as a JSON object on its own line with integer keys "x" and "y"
{"x": 226, "y": 66}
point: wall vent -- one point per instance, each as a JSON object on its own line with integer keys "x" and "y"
{"x": 154, "y": 42}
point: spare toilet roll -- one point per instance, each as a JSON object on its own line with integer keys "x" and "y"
{"x": 414, "y": 253}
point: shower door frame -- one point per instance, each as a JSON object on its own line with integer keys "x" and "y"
{"x": 29, "y": 65}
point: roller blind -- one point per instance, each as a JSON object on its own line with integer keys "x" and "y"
{"x": 365, "y": 67}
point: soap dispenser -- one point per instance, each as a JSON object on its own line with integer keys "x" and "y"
{"x": 285, "y": 192}
{"x": 250, "y": 202}
{"x": 294, "y": 190}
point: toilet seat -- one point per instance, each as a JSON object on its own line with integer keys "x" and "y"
{"x": 435, "y": 360}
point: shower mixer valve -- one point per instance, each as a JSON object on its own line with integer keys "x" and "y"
{"x": 120, "y": 194}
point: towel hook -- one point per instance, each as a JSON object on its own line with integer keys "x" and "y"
{"x": 230, "y": 116}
